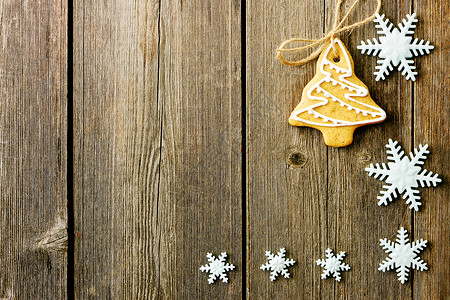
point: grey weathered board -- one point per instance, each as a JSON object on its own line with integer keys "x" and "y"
{"x": 313, "y": 197}
{"x": 33, "y": 156}
{"x": 431, "y": 123}
{"x": 179, "y": 150}
{"x": 157, "y": 123}
{"x": 307, "y": 197}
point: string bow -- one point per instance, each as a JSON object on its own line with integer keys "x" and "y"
{"x": 325, "y": 40}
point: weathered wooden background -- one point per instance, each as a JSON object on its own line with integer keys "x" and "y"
{"x": 156, "y": 130}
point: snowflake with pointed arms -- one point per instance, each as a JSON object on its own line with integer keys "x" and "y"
{"x": 403, "y": 255}
{"x": 396, "y": 47}
{"x": 217, "y": 267}
{"x": 333, "y": 265}
{"x": 277, "y": 264}
{"x": 403, "y": 175}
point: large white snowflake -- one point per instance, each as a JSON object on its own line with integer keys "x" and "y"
{"x": 333, "y": 265}
{"x": 403, "y": 255}
{"x": 403, "y": 175}
{"x": 277, "y": 264}
{"x": 396, "y": 47}
{"x": 217, "y": 267}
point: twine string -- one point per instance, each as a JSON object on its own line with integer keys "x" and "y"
{"x": 323, "y": 41}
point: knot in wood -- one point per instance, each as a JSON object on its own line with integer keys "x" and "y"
{"x": 54, "y": 239}
{"x": 365, "y": 156}
{"x": 296, "y": 159}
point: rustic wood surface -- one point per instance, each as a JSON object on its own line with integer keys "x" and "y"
{"x": 431, "y": 125}
{"x": 33, "y": 156}
{"x": 306, "y": 197}
{"x": 157, "y": 105}
{"x": 180, "y": 149}
{"x": 285, "y": 208}
{"x": 117, "y": 130}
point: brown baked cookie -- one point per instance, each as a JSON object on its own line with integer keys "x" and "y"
{"x": 335, "y": 101}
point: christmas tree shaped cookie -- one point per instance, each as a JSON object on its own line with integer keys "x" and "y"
{"x": 335, "y": 101}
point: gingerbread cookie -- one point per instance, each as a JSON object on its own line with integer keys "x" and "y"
{"x": 335, "y": 101}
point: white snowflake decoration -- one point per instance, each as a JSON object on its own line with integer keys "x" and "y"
{"x": 217, "y": 267}
{"x": 277, "y": 264}
{"x": 333, "y": 265}
{"x": 403, "y": 255}
{"x": 403, "y": 175}
{"x": 395, "y": 47}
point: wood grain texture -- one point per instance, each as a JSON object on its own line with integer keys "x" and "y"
{"x": 356, "y": 220}
{"x": 33, "y": 156}
{"x": 286, "y": 166}
{"x": 158, "y": 155}
{"x": 157, "y": 147}
{"x": 307, "y": 197}
{"x": 117, "y": 129}
{"x": 200, "y": 192}
{"x": 431, "y": 126}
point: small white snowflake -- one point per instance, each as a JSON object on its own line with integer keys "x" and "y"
{"x": 333, "y": 265}
{"x": 396, "y": 47}
{"x": 217, "y": 267}
{"x": 403, "y": 255}
{"x": 277, "y": 264}
{"x": 403, "y": 175}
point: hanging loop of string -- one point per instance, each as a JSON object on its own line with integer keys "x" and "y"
{"x": 325, "y": 40}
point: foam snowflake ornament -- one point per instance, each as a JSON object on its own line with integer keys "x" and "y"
{"x": 333, "y": 265}
{"x": 217, "y": 267}
{"x": 403, "y": 174}
{"x": 395, "y": 47}
{"x": 277, "y": 264}
{"x": 403, "y": 255}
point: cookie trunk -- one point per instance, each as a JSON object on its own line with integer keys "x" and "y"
{"x": 333, "y": 136}
{"x": 338, "y": 137}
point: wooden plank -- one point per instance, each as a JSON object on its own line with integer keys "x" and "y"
{"x": 335, "y": 201}
{"x": 33, "y": 156}
{"x": 157, "y": 172}
{"x": 116, "y": 149}
{"x": 200, "y": 193}
{"x": 356, "y": 222}
{"x": 286, "y": 166}
{"x": 431, "y": 124}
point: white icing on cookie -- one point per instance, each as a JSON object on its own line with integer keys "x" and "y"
{"x": 354, "y": 91}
